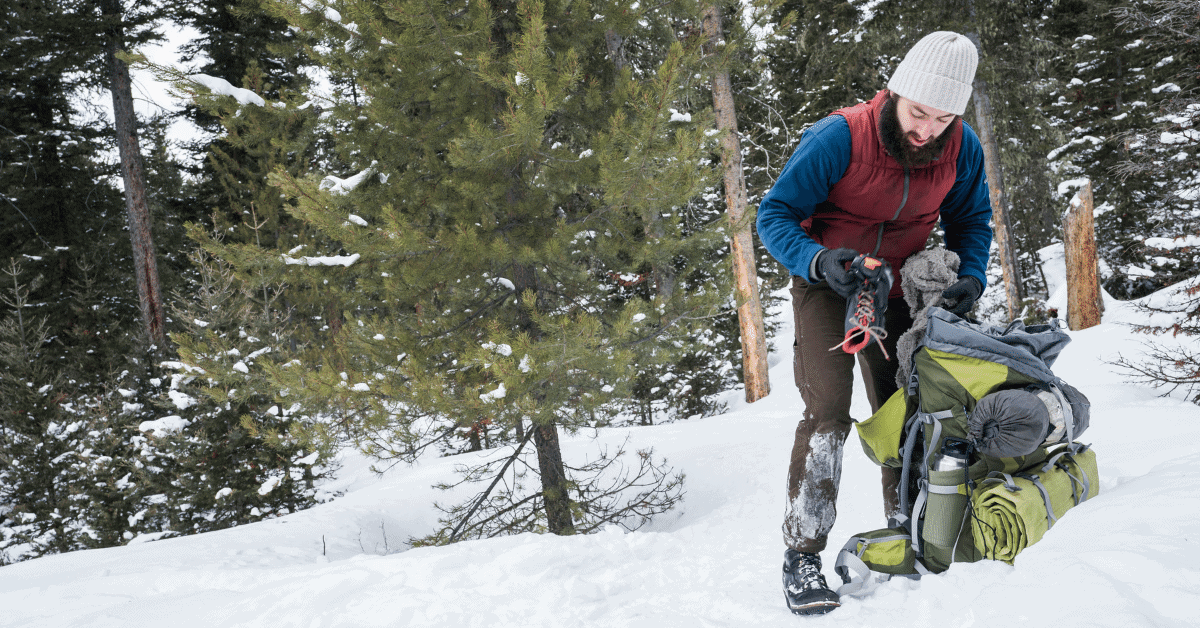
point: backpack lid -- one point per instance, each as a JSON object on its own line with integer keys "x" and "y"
{"x": 1028, "y": 350}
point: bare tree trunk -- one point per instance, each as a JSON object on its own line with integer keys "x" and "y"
{"x": 1013, "y": 290}
{"x": 137, "y": 211}
{"x": 750, "y": 315}
{"x": 1084, "y": 305}
{"x": 555, "y": 487}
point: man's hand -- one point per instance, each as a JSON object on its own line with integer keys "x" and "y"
{"x": 832, "y": 266}
{"x": 960, "y": 297}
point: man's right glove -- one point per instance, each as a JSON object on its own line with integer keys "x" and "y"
{"x": 831, "y": 264}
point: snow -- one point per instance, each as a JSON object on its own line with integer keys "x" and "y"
{"x": 221, "y": 86}
{"x": 181, "y": 400}
{"x": 1173, "y": 243}
{"x": 341, "y": 187}
{"x": 164, "y": 426}
{"x": 503, "y": 282}
{"x": 494, "y": 395}
{"x": 1066, "y": 186}
{"x": 333, "y": 260}
{"x": 1188, "y": 136}
{"x": 1128, "y": 558}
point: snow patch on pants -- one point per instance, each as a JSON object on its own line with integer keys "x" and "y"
{"x": 811, "y": 514}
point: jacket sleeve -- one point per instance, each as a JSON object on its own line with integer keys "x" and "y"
{"x": 819, "y": 161}
{"x": 966, "y": 211}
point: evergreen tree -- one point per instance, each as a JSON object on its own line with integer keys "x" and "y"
{"x": 502, "y": 177}
{"x": 1168, "y": 150}
{"x": 1115, "y": 84}
{"x": 235, "y": 457}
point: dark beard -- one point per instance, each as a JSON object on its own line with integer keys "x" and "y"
{"x": 899, "y": 147}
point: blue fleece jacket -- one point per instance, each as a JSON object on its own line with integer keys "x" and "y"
{"x": 820, "y": 161}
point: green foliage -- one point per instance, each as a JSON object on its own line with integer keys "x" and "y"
{"x": 241, "y": 454}
{"x": 1118, "y": 80}
{"x": 502, "y": 183}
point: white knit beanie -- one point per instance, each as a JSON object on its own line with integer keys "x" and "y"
{"x": 938, "y": 72}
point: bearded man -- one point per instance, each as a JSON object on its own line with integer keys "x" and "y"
{"x": 870, "y": 179}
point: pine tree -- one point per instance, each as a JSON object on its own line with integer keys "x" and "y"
{"x": 1117, "y": 86}
{"x": 236, "y": 457}
{"x": 1168, "y": 150}
{"x": 239, "y": 453}
{"x": 68, "y": 426}
{"x": 501, "y": 180}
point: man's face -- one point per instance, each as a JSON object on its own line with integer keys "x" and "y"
{"x": 914, "y": 134}
{"x": 920, "y": 124}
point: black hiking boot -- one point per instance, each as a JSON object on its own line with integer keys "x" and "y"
{"x": 804, "y": 587}
{"x": 865, "y": 308}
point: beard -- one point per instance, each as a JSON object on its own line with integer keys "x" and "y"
{"x": 897, "y": 142}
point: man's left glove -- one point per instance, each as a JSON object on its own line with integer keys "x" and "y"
{"x": 961, "y": 296}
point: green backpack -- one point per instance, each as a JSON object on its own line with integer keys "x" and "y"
{"x": 971, "y": 505}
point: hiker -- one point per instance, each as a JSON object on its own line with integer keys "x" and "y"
{"x": 872, "y": 179}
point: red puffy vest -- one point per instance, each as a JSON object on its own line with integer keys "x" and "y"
{"x": 873, "y": 193}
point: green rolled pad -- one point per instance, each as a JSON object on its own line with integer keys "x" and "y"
{"x": 1010, "y": 511}
{"x": 880, "y": 434}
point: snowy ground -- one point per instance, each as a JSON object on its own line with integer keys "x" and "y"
{"x": 1129, "y": 558}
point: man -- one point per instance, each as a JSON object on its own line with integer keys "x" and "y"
{"x": 870, "y": 179}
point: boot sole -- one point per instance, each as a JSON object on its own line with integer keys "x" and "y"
{"x": 819, "y": 607}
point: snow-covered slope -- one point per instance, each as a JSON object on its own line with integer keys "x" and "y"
{"x": 1130, "y": 557}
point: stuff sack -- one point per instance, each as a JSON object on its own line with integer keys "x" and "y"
{"x": 876, "y": 556}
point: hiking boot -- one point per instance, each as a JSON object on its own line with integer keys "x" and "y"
{"x": 866, "y": 307}
{"x": 804, "y": 587}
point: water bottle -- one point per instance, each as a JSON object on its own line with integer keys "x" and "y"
{"x": 955, "y": 455}
{"x": 944, "y": 510}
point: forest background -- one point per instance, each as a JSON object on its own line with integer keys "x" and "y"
{"x": 426, "y": 228}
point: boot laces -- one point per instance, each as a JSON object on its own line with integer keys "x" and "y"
{"x": 864, "y": 319}
{"x": 806, "y": 574}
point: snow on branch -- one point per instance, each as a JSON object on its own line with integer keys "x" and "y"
{"x": 222, "y": 87}
{"x": 342, "y": 187}
{"x": 334, "y": 260}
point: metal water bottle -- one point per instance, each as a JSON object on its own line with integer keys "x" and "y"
{"x": 954, "y": 456}
{"x": 946, "y": 502}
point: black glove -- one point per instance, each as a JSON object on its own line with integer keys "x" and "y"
{"x": 960, "y": 297}
{"x": 831, "y": 264}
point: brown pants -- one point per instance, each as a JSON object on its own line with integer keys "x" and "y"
{"x": 825, "y": 379}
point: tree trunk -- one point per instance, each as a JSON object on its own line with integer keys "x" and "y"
{"x": 1013, "y": 291}
{"x": 137, "y": 211}
{"x": 553, "y": 475}
{"x": 555, "y": 487}
{"x": 750, "y": 315}
{"x": 1084, "y": 305}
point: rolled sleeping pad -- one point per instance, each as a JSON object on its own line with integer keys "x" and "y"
{"x": 1011, "y": 512}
